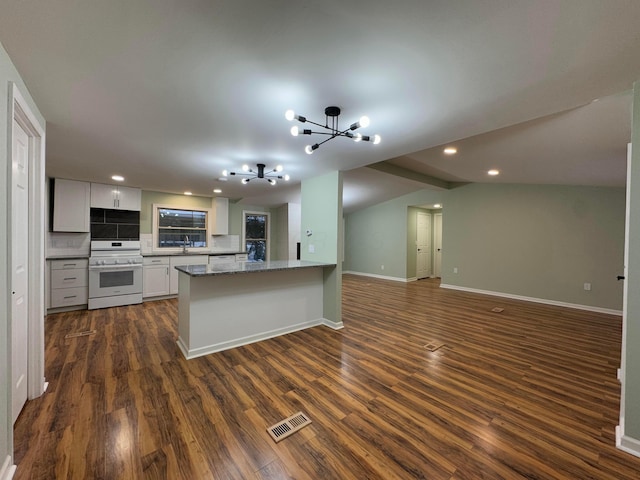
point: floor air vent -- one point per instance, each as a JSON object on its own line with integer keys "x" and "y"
{"x": 80, "y": 334}
{"x": 497, "y": 309}
{"x": 433, "y": 346}
{"x": 288, "y": 426}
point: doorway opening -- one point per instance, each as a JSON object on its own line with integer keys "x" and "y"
{"x": 425, "y": 232}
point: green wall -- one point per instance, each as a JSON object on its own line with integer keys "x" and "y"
{"x": 8, "y": 73}
{"x": 377, "y": 236}
{"x": 321, "y": 213}
{"x": 539, "y": 241}
{"x": 631, "y": 353}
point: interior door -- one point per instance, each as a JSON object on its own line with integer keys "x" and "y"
{"x": 423, "y": 238}
{"x": 437, "y": 240}
{"x": 19, "y": 270}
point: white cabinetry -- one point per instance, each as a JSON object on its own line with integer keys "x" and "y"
{"x": 69, "y": 282}
{"x": 220, "y": 216}
{"x": 242, "y": 257}
{"x": 71, "y": 200}
{"x": 115, "y": 197}
{"x": 183, "y": 260}
{"x": 155, "y": 281}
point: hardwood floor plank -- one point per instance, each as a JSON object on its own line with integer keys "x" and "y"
{"x": 528, "y": 393}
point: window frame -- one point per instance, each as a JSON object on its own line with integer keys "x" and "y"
{"x": 156, "y": 235}
{"x": 268, "y": 231}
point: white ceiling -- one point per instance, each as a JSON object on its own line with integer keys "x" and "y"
{"x": 169, "y": 93}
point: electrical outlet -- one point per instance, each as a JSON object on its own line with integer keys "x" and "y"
{"x": 312, "y": 249}
{"x": 455, "y": 269}
{"x": 381, "y": 267}
{"x": 587, "y": 287}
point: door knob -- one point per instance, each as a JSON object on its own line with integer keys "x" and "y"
{"x": 620, "y": 277}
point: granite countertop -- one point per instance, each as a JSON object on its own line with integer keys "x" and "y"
{"x": 182, "y": 254}
{"x": 248, "y": 267}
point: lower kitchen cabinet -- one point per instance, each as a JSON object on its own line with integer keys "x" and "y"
{"x": 180, "y": 260}
{"x": 69, "y": 282}
{"x": 155, "y": 276}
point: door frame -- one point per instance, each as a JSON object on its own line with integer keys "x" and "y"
{"x": 20, "y": 111}
{"x": 435, "y": 244}
{"x": 244, "y": 230}
{"x": 430, "y": 240}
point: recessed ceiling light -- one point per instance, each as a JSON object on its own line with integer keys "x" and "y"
{"x": 451, "y": 150}
{"x": 437, "y": 205}
{"x": 217, "y": 190}
{"x": 494, "y": 172}
{"x": 188, "y": 193}
{"x": 117, "y": 178}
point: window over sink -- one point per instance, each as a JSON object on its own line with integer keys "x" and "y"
{"x": 177, "y": 228}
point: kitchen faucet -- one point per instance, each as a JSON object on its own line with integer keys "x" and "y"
{"x": 184, "y": 244}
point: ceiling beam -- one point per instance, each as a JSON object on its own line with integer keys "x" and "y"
{"x": 411, "y": 175}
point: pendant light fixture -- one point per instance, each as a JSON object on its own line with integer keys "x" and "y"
{"x": 249, "y": 174}
{"x": 331, "y": 128}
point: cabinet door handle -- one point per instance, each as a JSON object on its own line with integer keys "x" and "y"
{"x": 70, "y": 278}
{"x": 70, "y": 296}
{"x": 167, "y": 270}
{"x": 64, "y": 265}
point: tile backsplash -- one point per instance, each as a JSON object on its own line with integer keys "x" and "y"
{"x": 59, "y": 243}
{"x": 226, "y": 243}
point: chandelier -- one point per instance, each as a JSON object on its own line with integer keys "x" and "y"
{"x": 331, "y": 128}
{"x": 249, "y": 174}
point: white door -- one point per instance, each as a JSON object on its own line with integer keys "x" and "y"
{"x": 437, "y": 240}
{"x": 423, "y": 237}
{"x": 20, "y": 270}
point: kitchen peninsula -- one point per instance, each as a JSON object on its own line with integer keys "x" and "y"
{"x": 228, "y": 305}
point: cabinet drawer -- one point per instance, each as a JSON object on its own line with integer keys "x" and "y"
{"x": 67, "y": 297}
{"x": 71, "y": 263}
{"x": 155, "y": 261}
{"x": 69, "y": 278}
{"x": 221, "y": 259}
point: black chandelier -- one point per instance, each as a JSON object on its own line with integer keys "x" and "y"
{"x": 331, "y": 127}
{"x": 249, "y": 174}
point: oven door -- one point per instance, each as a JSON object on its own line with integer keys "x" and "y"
{"x": 112, "y": 280}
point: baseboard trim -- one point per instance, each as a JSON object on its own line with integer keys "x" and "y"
{"x": 219, "y": 347}
{"x": 381, "y": 277}
{"x": 332, "y": 325}
{"x": 8, "y": 469}
{"x": 534, "y": 299}
{"x": 627, "y": 444}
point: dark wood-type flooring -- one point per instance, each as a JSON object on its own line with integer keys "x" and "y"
{"x": 529, "y": 393}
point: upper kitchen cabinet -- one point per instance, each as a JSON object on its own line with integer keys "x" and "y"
{"x": 220, "y": 216}
{"x": 70, "y": 205}
{"x": 115, "y": 197}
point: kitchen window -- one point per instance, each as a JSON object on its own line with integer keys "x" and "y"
{"x": 255, "y": 235}
{"x": 178, "y": 228}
